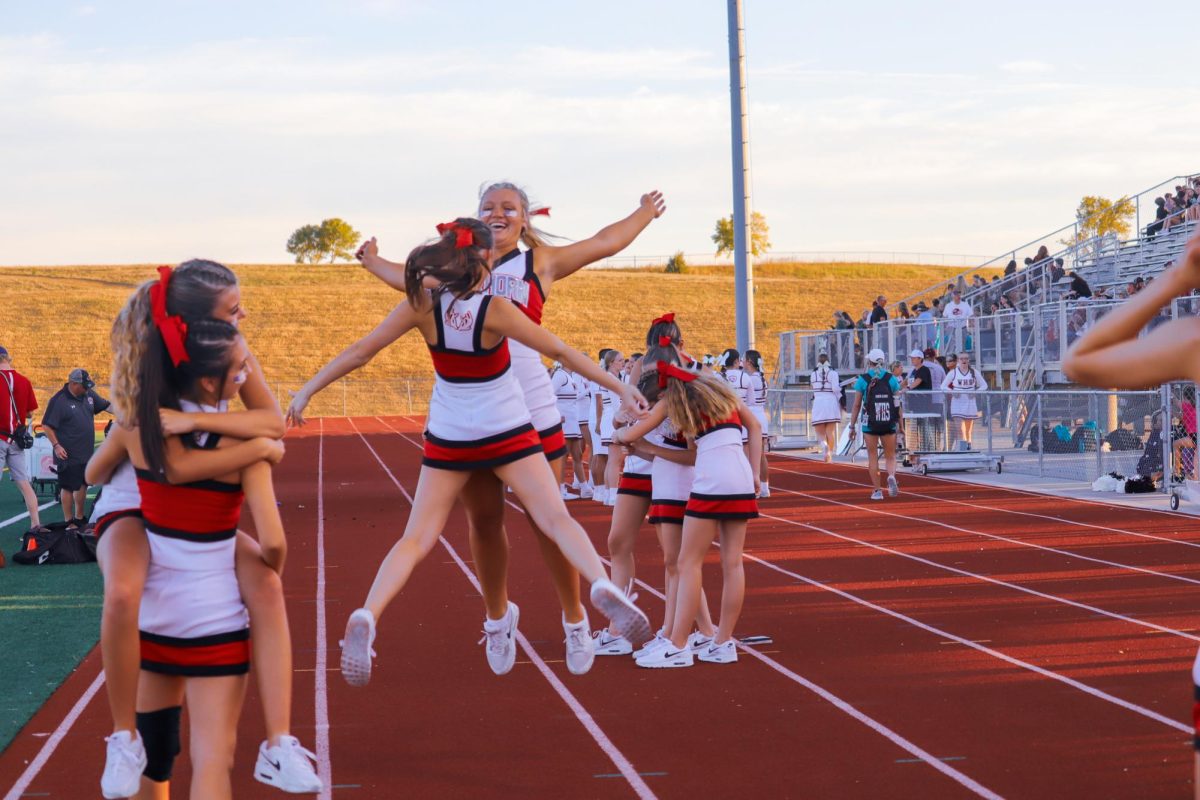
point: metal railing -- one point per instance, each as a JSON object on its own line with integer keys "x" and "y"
{"x": 1073, "y": 436}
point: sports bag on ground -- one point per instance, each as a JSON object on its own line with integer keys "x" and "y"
{"x": 880, "y": 405}
{"x": 57, "y": 545}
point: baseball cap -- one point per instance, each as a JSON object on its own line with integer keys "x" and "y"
{"x": 81, "y": 376}
{"x": 876, "y": 355}
{"x": 916, "y": 354}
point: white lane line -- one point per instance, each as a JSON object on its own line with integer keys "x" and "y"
{"x": 1083, "y": 687}
{"x": 996, "y": 536}
{"x": 5, "y": 523}
{"x": 979, "y": 505}
{"x": 55, "y": 739}
{"x": 321, "y": 701}
{"x": 618, "y": 759}
{"x": 843, "y": 706}
{"x": 996, "y": 581}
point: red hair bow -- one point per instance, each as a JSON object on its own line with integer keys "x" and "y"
{"x": 172, "y": 327}
{"x": 464, "y": 236}
{"x": 668, "y": 370}
{"x": 544, "y": 211}
{"x": 665, "y": 318}
{"x": 664, "y": 341}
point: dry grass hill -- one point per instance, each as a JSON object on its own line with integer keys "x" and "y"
{"x": 301, "y": 316}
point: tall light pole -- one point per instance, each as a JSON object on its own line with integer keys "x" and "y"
{"x": 743, "y": 269}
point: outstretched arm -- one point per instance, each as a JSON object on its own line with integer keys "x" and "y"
{"x": 402, "y": 319}
{"x": 1111, "y": 355}
{"x": 643, "y": 426}
{"x": 555, "y": 263}
{"x": 389, "y": 272}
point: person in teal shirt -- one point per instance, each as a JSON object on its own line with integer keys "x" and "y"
{"x": 878, "y": 391}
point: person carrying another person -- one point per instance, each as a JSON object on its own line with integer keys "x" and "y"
{"x": 70, "y": 424}
{"x": 17, "y": 404}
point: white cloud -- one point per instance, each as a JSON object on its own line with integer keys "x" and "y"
{"x": 1030, "y": 67}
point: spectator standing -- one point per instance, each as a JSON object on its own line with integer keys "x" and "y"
{"x": 957, "y": 312}
{"x": 70, "y": 424}
{"x": 964, "y": 381}
{"x": 879, "y": 310}
{"x": 937, "y": 372}
{"x": 17, "y": 404}
{"x": 919, "y": 400}
{"x": 902, "y": 310}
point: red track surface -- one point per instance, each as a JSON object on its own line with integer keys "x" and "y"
{"x": 956, "y": 641}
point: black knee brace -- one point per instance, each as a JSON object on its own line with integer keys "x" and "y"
{"x": 160, "y": 736}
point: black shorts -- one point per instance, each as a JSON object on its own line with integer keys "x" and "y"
{"x": 70, "y": 476}
{"x": 888, "y": 431}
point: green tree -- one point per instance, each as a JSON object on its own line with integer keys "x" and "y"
{"x": 1097, "y": 216}
{"x": 676, "y": 265}
{"x": 333, "y": 239}
{"x": 759, "y": 243}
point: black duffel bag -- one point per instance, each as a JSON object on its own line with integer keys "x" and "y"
{"x": 56, "y": 545}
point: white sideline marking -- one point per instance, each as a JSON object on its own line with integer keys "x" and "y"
{"x": 996, "y": 536}
{"x": 824, "y": 694}
{"x": 996, "y": 581}
{"x": 5, "y": 523}
{"x": 55, "y": 739}
{"x": 321, "y": 701}
{"x": 589, "y": 723}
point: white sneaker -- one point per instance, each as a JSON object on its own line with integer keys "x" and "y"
{"x": 658, "y": 641}
{"x": 667, "y": 657}
{"x": 698, "y": 642}
{"x": 719, "y": 653}
{"x": 610, "y": 498}
{"x": 581, "y": 650}
{"x": 585, "y": 491}
{"x": 893, "y": 487}
{"x": 623, "y": 615}
{"x": 599, "y": 493}
{"x": 764, "y": 490}
{"x": 566, "y": 495}
{"x": 123, "y": 765}
{"x": 357, "y": 650}
{"x": 877, "y": 495}
{"x": 287, "y": 766}
{"x": 501, "y": 637}
{"x": 605, "y": 644}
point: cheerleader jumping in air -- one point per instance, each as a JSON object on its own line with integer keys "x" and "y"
{"x": 477, "y": 420}
{"x": 1114, "y": 354}
{"x": 525, "y": 278}
{"x": 703, "y": 408}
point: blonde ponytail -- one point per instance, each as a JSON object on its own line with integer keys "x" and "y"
{"x": 131, "y": 332}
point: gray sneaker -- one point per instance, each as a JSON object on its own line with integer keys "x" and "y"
{"x": 893, "y": 487}
{"x": 877, "y": 495}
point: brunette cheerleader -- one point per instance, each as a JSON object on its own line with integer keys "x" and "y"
{"x": 755, "y": 398}
{"x": 478, "y": 420}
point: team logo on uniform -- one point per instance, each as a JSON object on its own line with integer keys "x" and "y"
{"x": 510, "y": 287}
{"x": 460, "y": 321}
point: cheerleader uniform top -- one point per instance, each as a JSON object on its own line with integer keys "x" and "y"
{"x": 477, "y": 413}
{"x": 565, "y": 390}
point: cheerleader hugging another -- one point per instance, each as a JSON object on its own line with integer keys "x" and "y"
{"x": 477, "y": 420}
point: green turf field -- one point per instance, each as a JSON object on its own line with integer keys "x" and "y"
{"x": 49, "y": 619}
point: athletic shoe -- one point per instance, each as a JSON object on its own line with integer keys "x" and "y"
{"x": 764, "y": 490}
{"x": 598, "y": 494}
{"x": 287, "y": 766}
{"x": 876, "y": 495}
{"x": 698, "y": 642}
{"x": 893, "y": 487}
{"x": 123, "y": 765}
{"x": 623, "y": 615}
{"x": 356, "y": 648}
{"x": 610, "y": 498}
{"x": 501, "y": 637}
{"x": 605, "y": 644}
{"x": 581, "y": 650}
{"x": 658, "y": 641}
{"x": 566, "y": 495}
{"x": 719, "y": 653}
{"x": 585, "y": 491}
{"x": 667, "y": 657}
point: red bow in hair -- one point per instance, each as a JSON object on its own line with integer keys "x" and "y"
{"x": 668, "y": 370}
{"x": 464, "y": 236}
{"x": 544, "y": 211}
{"x": 665, "y": 318}
{"x": 172, "y": 327}
{"x": 664, "y": 341}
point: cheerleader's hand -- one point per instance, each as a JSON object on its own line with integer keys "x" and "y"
{"x": 1189, "y": 265}
{"x": 369, "y": 249}
{"x": 757, "y": 486}
{"x": 632, "y": 402}
{"x": 653, "y": 202}
{"x": 175, "y": 423}
{"x": 295, "y": 412}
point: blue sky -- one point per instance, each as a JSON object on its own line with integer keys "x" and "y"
{"x": 153, "y": 132}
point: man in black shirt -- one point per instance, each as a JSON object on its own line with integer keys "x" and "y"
{"x": 919, "y": 404}
{"x": 879, "y": 310}
{"x": 70, "y": 425}
{"x": 1079, "y": 286}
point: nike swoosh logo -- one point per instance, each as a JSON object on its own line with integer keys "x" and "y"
{"x": 606, "y": 642}
{"x": 274, "y": 764}
{"x": 703, "y": 643}
{"x": 672, "y": 655}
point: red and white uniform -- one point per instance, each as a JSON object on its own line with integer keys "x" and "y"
{"x": 566, "y": 394}
{"x": 964, "y": 385}
{"x": 724, "y": 483}
{"x": 737, "y": 380}
{"x": 671, "y": 482}
{"x": 636, "y": 476}
{"x": 583, "y": 401}
{"x": 610, "y": 404}
{"x": 756, "y": 398}
{"x": 513, "y": 278}
{"x": 119, "y": 498}
{"x": 477, "y": 416}
{"x": 192, "y": 620}
{"x": 826, "y": 386}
